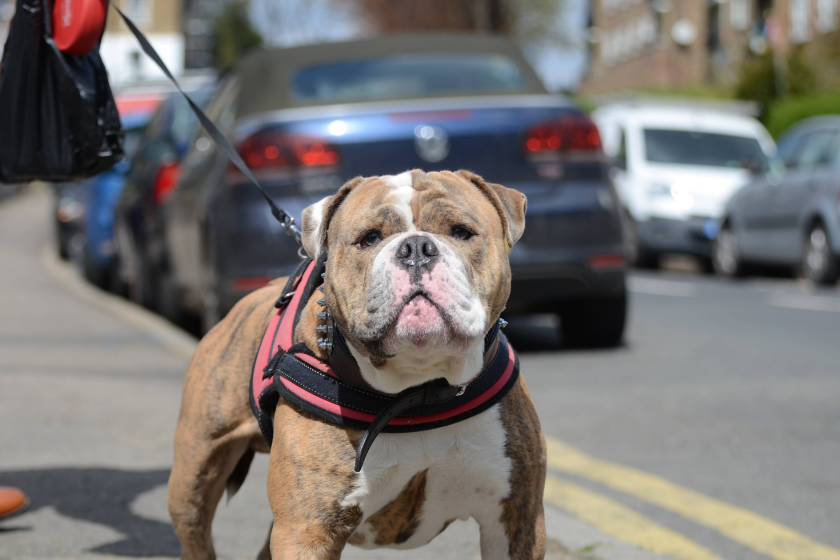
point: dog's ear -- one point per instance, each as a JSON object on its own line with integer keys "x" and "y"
{"x": 316, "y": 218}
{"x": 510, "y": 204}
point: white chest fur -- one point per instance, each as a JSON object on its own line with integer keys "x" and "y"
{"x": 468, "y": 476}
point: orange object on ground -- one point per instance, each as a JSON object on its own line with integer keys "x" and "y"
{"x": 12, "y": 502}
{"x": 78, "y": 24}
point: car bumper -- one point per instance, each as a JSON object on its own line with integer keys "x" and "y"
{"x": 537, "y": 289}
{"x": 693, "y": 236}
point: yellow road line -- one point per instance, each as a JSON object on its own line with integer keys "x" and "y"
{"x": 622, "y": 522}
{"x": 741, "y": 525}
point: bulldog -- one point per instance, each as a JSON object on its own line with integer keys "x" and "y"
{"x": 416, "y": 276}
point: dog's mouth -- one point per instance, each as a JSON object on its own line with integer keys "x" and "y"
{"x": 420, "y": 320}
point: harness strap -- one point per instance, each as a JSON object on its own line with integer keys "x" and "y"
{"x": 296, "y": 374}
{"x": 438, "y": 391}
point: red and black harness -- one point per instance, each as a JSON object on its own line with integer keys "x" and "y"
{"x": 336, "y": 391}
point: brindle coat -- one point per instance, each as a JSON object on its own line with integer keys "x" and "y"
{"x": 311, "y": 461}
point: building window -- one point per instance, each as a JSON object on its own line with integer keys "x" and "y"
{"x": 826, "y": 15}
{"x": 800, "y": 21}
{"x": 739, "y": 14}
{"x": 713, "y": 27}
{"x": 139, "y": 11}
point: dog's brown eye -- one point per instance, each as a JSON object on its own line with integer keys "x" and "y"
{"x": 459, "y": 232}
{"x": 370, "y": 238}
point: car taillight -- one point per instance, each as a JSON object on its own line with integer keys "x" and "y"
{"x": 275, "y": 150}
{"x": 166, "y": 180}
{"x": 570, "y": 134}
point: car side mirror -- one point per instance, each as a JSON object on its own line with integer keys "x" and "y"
{"x": 122, "y": 167}
{"x": 754, "y": 167}
{"x": 774, "y": 170}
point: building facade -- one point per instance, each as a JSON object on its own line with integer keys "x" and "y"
{"x": 671, "y": 43}
{"x": 7, "y": 11}
{"x": 160, "y": 21}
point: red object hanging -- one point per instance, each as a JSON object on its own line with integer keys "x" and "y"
{"x": 78, "y": 24}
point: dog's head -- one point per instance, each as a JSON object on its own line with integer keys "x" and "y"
{"x": 417, "y": 270}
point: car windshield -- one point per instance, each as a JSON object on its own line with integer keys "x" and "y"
{"x": 686, "y": 147}
{"x": 408, "y": 76}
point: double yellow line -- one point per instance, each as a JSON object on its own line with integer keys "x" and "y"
{"x": 740, "y": 525}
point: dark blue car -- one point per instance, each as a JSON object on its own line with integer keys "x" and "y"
{"x": 307, "y": 119}
{"x": 142, "y": 262}
{"x": 103, "y": 193}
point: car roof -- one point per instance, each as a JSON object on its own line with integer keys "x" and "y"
{"x": 695, "y": 118}
{"x": 265, "y": 74}
{"x": 689, "y": 118}
{"x": 806, "y": 125}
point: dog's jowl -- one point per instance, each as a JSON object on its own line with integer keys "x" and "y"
{"x": 402, "y": 338}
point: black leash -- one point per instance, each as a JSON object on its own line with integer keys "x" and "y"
{"x": 285, "y": 220}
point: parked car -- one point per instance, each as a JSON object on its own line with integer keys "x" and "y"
{"x": 307, "y": 119}
{"x": 69, "y": 214}
{"x": 98, "y": 255}
{"x": 789, "y": 214}
{"x": 675, "y": 167}
{"x": 143, "y": 266}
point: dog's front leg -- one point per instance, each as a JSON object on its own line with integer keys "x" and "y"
{"x": 310, "y": 474}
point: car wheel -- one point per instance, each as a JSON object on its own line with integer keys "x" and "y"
{"x": 726, "y": 257}
{"x": 819, "y": 264}
{"x": 117, "y": 285}
{"x": 63, "y": 244}
{"x": 169, "y": 297}
{"x": 637, "y": 254}
{"x": 597, "y": 323}
{"x": 99, "y": 276}
{"x": 143, "y": 290}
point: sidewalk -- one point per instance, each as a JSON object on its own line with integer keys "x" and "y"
{"x": 89, "y": 392}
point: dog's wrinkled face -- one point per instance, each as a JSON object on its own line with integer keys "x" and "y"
{"x": 417, "y": 270}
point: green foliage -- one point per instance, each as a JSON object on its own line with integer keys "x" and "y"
{"x": 789, "y": 111}
{"x": 757, "y": 80}
{"x": 536, "y": 21}
{"x": 801, "y": 79}
{"x": 234, "y": 35}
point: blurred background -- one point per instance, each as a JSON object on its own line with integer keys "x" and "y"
{"x": 674, "y": 295}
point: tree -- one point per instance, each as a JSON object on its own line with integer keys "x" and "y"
{"x": 530, "y": 21}
{"x": 294, "y": 22}
{"x": 234, "y": 35}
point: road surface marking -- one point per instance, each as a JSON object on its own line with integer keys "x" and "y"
{"x": 622, "y": 522}
{"x": 741, "y": 525}
{"x": 660, "y": 287}
{"x": 808, "y": 303}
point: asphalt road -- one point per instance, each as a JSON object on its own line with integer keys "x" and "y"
{"x": 713, "y": 433}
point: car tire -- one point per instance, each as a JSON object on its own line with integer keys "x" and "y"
{"x": 143, "y": 291}
{"x": 596, "y": 323}
{"x": 169, "y": 297}
{"x": 637, "y": 254}
{"x": 99, "y": 276}
{"x": 726, "y": 257}
{"x": 819, "y": 263}
{"x": 63, "y": 244}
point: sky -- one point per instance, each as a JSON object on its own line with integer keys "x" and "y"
{"x": 290, "y": 22}
{"x": 562, "y": 69}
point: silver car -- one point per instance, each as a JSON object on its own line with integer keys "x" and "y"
{"x": 789, "y": 214}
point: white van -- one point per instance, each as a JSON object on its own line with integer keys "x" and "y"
{"x": 675, "y": 167}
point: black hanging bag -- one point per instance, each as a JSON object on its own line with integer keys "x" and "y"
{"x": 58, "y": 118}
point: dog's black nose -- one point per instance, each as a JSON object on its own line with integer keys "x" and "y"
{"x": 416, "y": 252}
